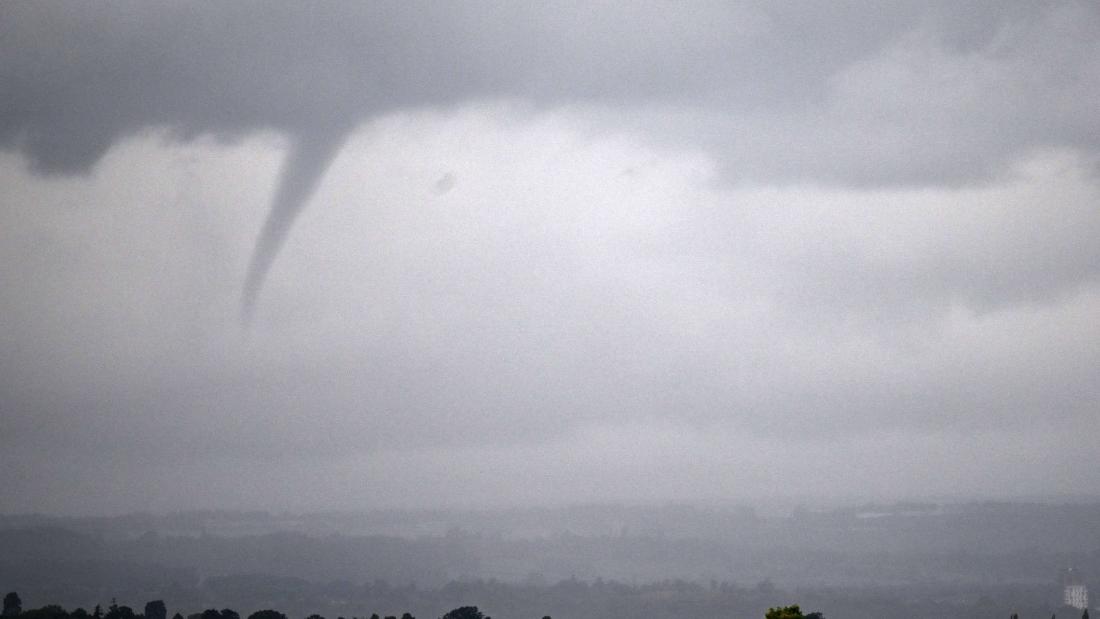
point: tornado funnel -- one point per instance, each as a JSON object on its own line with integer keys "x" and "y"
{"x": 308, "y": 158}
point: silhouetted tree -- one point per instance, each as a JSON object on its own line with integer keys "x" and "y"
{"x": 267, "y": 614}
{"x": 51, "y": 611}
{"x": 12, "y": 604}
{"x": 1085, "y": 615}
{"x": 156, "y": 610}
{"x": 315, "y": 617}
{"x": 114, "y": 611}
{"x": 97, "y": 612}
{"x": 79, "y": 613}
{"x": 229, "y": 613}
{"x": 177, "y": 616}
{"x": 784, "y": 612}
{"x": 407, "y": 616}
{"x": 465, "y": 612}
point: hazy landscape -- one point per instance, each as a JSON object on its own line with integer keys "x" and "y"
{"x": 905, "y": 560}
{"x": 580, "y": 310}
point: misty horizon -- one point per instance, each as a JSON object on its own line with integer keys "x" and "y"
{"x": 918, "y": 560}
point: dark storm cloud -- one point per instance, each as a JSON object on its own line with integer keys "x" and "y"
{"x": 75, "y": 77}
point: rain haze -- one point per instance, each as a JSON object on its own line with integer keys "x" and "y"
{"x": 298, "y": 256}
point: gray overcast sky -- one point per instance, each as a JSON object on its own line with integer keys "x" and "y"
{"x": 535, "y": 254}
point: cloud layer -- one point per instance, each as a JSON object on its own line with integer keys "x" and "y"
{"x": 920, "y": 93}
{"x": 715, "y": 253}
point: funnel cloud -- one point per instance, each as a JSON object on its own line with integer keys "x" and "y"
{"x": 305, "y": 164}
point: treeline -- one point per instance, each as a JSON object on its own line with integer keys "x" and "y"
{"x": 574, "y": 599}
{"x": 611, "y": 600}
{"x": 156, "y": 609}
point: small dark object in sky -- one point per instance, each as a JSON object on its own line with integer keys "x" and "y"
{"x": 444, "y": 184}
